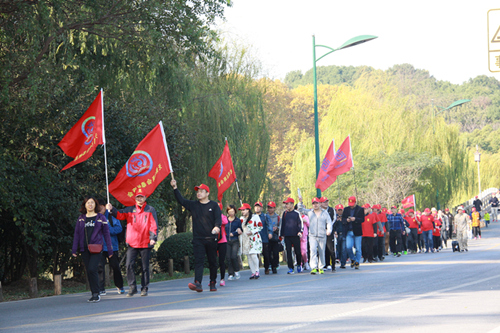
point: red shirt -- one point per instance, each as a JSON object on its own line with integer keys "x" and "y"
{"x": 427, "y": 221}
{"x": 437, "y": 231}
{"x": 412, "y": 221}
{"x": 367, "y": 225}
{"x": 382, "y": 218}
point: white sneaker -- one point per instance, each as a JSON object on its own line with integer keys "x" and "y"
{"x": 329, "y": 268}
{"x": 237, "y": 275}
{"x": 230, "y": 278}
{"x": 307, "y": 266}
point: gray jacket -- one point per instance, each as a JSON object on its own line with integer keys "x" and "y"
{"x": 318, "y": 226}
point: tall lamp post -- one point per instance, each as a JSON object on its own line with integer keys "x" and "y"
{"x": 477, "y": 158}
{"x": 351, "y": 42}
{"x": 434, "y": 114}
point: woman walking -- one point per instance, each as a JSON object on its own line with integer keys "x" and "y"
{"x": 222, "y": 249}
{"x": 233, "y": 230}
{"x": 252, "y": 243}
{"x": 88, "y": 239}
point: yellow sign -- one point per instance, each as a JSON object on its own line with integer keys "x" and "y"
{"x": 494, "y": 40}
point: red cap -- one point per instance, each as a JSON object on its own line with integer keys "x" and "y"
{"x": 367, "y": 206}
{"x": 202, "y": 187}
{"x": 446, "y": 209}
{"x": 323, "y": 199}
{"x": 245, "y": 206}
{"x": 402, "y": 211}
{"x": 477, "y": 196}
{"x": 427, "y": 210}
{"x": 289, "y": 200}
{"x": 139, "y": 193}
{"x": 352, "y": 201}
{"x": 339, "y": 207}
{"x": 258, "y": 203}
{"x": 411, "y": 211}
{"x": 392, "y": 207}
{"x": 315, "y": 200}
{"x": 473, "y": 209}
{"x": 384, "y": 210}
{"x": 271, "y": 204}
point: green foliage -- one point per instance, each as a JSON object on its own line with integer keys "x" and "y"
{"x": 331, "y": 75}
{"x": 176, "y": 247}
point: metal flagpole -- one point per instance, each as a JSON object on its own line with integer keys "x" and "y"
{"x": 104, "y": 144}
{"x": 236, "y": 180}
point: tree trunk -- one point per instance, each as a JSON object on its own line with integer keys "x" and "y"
{"x": 57, "y": 284}
{"x": 33, "y": 288}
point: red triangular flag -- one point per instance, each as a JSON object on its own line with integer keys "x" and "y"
{"x": 223, "y": 172}
{"x": 332, "y": 167}
{"x": 82, "y": 139}
{"x": 145, "y": 169}
{"x": 408, "y": 201}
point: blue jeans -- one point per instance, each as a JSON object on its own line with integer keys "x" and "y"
{"x": 341, "y": 250}
{"x": 355, "y": 241}
{"x": 428, "y": 239}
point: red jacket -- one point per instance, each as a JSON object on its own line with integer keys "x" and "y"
{"x": 367, "y": 225}
{"x": 142, "y": 224}
{"x": 412, "y": 221}
{"x": 437, "y": 231}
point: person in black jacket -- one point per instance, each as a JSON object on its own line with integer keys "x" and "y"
{"x": 478, "y": 204}
{"x": 206, "y": 215}
{"x": 291, "y": 229}
{"x": 352, "y": 218}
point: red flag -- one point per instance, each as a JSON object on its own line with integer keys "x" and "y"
{"x": 333, "y": 166}
{"x": 408, "y": 201}
{"x": 82, "y": 139}
{"x": 223, "y": 172}
{"x": 145, "y": 169}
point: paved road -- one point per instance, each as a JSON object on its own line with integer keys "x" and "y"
{"x": 441, "y": 292}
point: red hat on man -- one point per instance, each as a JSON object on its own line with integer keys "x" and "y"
{"x": 258, "y": 203}
{"x": 315, "y": 200}
{"x": 477, "y": 196}
{"x": 139, "y": 193}
{"x": 366, "y": 206}
{"x": 411, "y": 211}
{"x": 271, "y": 204}
{"x": 202, "y": 187}
{"x": 377, "y": 206}
{"x": 352, "y": 201}
{"x": 427, "y": 210}
{"x": 339, "y": 207}
{"x": 394, "y": 207}
{"x": 289, "y": 200}
{"x": 245, "y": 206}
{"x": 323, "y": 199}
{"x": 402, "y": 211}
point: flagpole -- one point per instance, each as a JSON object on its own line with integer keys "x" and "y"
{"x": 104, "y": 144}
{"x": 236, "y": 181}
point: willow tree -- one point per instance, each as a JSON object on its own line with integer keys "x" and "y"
{"x": 382, "y": 122}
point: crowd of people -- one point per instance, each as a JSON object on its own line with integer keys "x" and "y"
{"x": 313, "y": 239}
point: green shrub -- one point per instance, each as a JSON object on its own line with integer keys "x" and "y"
{"x": 176, "y": 247}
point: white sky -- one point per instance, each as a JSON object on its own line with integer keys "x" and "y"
{"x": 447, "y": 38}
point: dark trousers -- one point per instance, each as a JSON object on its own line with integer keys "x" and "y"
{"x": 420, "y": 241}
{"x": 274, "y": 254}
{"x": 330, "y": 251}
{"x": 404, "y": 239}
{"x": 395, "y": 241}
{"x": 436, "y": 241}
{"x": 202, "y": 247}
{"x": 114, "y": 264}
{"x": 265, "y": 254}
{"x": 380, "y": 247}
{"x": 367, "y": 248}
{"x": 414, "y": 239}
{"x": 232, "y": 255}
{"x": 342, "y": 250}
{"x": 476, "y": 231}
{"x": 221, "y": 252}
{"x": 132, "y": 253}
{"x": 91, "y": 262}
{"x": 295, "y": 242}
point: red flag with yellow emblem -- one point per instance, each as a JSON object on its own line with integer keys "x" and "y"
{"x": 223, "y": 172}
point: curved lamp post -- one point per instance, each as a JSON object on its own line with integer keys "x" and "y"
{"x": 434, "y": 114}
{"x": 351, "y": 42}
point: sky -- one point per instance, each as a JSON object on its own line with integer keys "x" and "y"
{"x": 447, "y": 38}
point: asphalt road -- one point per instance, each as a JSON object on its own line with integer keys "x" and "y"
{"x": 440, "y": 292}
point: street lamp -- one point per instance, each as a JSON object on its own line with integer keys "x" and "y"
{"x": 351, "y": 42}
{"x": 452, "y": 105}
{"x": 434, "y": 114}
{"x": 477, "y": 158}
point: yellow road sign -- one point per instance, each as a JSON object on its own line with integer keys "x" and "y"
{"x": 494, "y": 40}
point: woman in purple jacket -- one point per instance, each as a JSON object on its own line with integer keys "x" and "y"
{"x": 90, "y": 229}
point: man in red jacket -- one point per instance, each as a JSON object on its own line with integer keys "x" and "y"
{"x": 142, "y": 226}
{"x": 427, "y": 226}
